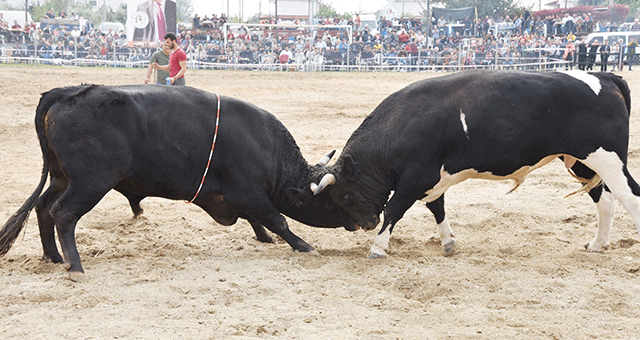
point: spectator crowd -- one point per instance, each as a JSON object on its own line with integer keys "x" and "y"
{"x": 404, "y": 43}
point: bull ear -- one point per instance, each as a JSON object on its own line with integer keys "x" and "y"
{"x": 296, "y": 197}
{"x": 349, "y": 168}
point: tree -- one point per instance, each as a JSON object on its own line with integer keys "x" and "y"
{"x": 634, "y": 8}
{"x": 185, "y": 10}
{"x": 326, "y": 10}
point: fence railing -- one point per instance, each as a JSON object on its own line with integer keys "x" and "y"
{"x": 376, "y": 63}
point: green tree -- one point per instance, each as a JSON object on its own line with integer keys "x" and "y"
{"x": 326, "y": 10}
{"x": 634, "y": 8}
{"x": 185, "y": 10}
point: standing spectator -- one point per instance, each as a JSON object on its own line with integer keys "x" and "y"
{"x": 593, "y": 52}
{"x": 356, "y": 22}
{"x": 568, "y": 54}
{"x": 16, "y": 26}
{"x": 177, "y": 61}
{"x": 631, "y": 51}
{"x": 161, "y": 58}
{"x": 635, "y": 26}
{"x": 196, "y": 21}
{"x": 605, "y": 50}
{"x": 435, "y": 34}
{"x": 582, "y": 55}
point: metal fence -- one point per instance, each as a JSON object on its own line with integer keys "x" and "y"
{"x": 533, "y": 59}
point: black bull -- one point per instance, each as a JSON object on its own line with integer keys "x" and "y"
{"x": 438, "y": 132}
{"x": 155, "y": 141}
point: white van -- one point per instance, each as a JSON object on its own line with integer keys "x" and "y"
{"x": 612, "y": 37}
{"x": 114, "y": 26}
{"x": 368, "y": 20}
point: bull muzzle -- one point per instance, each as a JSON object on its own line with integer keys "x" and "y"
{"x": 369, "y": 223}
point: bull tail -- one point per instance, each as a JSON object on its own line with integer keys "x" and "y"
{"x": 624, "y": 88}
{"x": 16, "y": 223}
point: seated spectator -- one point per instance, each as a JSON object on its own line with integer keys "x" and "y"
{"x": 391, "y": 39}
{"x": 16, "y": 26}
{"x": 334, "y": 57}
{"x": 390, "y": 57}
{"x": 367, "y": 53}
{"x": 285, "y": 56}
{"x": 403, "y": 37}
{"x": 246, "y": 56}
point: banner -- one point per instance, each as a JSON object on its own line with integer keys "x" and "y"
{"x": 150, "y": 20}
{"x": 454, "y": 14}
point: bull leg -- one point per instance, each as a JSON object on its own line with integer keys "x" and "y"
{"x": 134, "y": 203}
{"x": 604, "y": 201}
{"x": 76, "y": 201}
{"x": 393, "y": 212}
{"x": 263, "y": 212}
{"x": 446, "y": 235}
{"x": 261, "y": 233}
{"x": 45, "y": 220}
{"x": 613, "y": 171}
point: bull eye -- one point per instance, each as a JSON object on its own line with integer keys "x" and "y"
{"x": 346, "y": 198}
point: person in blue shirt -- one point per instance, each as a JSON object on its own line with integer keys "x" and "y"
{"x": 343, "y": 47}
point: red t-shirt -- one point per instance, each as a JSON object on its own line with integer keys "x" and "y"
{"x": 174, "y": 61}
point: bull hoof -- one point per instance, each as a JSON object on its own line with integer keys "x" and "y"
{"x": 314, "y": 253}
{"x": 594, "y": 248}
{"x": 76, "y": 276}
{"x": 265, "y": 239}
{"x": 308, "y": 249}
{"x": 375, "y": 256}
{"x": 449, "y": 248}
{"x": 52, "y": 259}
{"x": 137, "y": 214}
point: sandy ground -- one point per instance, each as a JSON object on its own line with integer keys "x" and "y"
{"x": 520, "y": 272}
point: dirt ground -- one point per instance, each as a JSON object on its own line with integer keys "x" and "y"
{"x": 520, "y": 271}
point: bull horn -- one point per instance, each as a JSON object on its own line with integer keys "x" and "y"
{"x": 326, "y": 181}
{"x": 325, "y": 160}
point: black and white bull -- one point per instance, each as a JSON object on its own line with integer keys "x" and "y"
{"x": 155, "y": 141}
{"x": 438, "y": 132}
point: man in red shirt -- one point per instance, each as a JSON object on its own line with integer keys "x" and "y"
{"x": 177, "y": 61}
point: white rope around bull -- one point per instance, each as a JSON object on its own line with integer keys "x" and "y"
{"x": 213, "y": 145}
